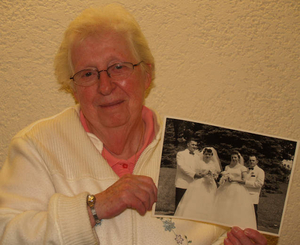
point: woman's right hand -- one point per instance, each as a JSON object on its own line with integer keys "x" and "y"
{"x": 203, "y": 172}
{"x": 131, "y": 191}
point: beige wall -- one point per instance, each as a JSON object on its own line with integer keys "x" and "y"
{"x": 232, "y": 63}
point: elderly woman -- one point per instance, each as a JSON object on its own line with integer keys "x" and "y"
{"x": 85, "y": 176}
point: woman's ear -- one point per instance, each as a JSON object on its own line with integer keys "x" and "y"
{"x": 75, "y": 94}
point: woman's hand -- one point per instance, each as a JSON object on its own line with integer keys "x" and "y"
{"x": 204, "y": 172}
{"x": 200, "y": 174}
{"x": 248, "y": 236}
{"x": 131, "y": 191}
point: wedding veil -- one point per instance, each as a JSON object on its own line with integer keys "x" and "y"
{"x": 215, "y": 159}
{"x": 241, "y": 159}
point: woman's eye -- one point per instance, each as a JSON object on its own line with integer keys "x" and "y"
{"x": 88, "y": 74}
{"x": 118, "y": 67}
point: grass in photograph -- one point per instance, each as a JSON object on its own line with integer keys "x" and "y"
{"x": 270, "y": 210}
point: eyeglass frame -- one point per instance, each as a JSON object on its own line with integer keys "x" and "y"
{"x": 133, "y": 65}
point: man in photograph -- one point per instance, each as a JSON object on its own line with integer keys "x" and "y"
{"x": 186, "y": 163}
{"x": 254, "y": 181}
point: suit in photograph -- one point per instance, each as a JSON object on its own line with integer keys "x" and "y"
{"x": 186, "y": 169}
{"x": 253, "y": 183}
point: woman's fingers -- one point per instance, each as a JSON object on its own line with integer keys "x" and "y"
{"x": 248, "y": 236}
{"x": 256, "y": 237}
{"x": 150, "y": 188}
{"x": 141, "y": 193}
{"x": 131, "y": 191}
{"x": 231, "y": 239}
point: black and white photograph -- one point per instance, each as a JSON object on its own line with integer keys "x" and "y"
{"x": 224, "y": 176}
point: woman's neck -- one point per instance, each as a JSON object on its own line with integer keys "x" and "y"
{"x": 206, "y": 160}
{"x": 124, "y": 141}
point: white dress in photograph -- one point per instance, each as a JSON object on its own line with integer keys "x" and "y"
{"x": 233, "y": 205}
{"x": 198, "y": 199}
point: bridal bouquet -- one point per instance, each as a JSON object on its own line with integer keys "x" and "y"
{"x": 207, "y": 174}
{"x": 225, "y": 177}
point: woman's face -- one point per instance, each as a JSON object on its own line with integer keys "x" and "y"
{"x": 207, "y": 156}
{"x": 108, "y": 104}
{"x": 234, "y": 158}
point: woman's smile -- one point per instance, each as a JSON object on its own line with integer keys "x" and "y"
{"x": 112, "y": 104}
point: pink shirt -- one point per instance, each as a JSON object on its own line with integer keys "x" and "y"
{"x": 126, "y": 166}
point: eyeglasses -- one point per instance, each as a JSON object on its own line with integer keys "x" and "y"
{"x": 116, "y": 72}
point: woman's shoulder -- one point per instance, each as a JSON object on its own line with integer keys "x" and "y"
{"x": 51, "y": 123}
{"x": 242, "y": 167}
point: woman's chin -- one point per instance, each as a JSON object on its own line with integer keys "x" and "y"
{"x": 114, "y": 122}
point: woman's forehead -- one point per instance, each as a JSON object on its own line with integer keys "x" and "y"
{"x": 113, "y": 46}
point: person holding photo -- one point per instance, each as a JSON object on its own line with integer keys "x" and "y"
{"x": 86, "y": 175}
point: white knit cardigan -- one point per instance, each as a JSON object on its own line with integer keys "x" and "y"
{"x": 51, "y": 167}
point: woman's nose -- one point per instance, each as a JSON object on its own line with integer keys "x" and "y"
{"x": 105, "y": 84}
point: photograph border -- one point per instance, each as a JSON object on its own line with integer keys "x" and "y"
{"x": 189, "y": 132}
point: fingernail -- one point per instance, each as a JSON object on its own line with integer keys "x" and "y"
{"x": 247, "y": 232}
{"x": 236, "y": 229}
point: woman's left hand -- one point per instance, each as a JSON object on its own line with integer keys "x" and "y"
{"x": 248, "y": 236}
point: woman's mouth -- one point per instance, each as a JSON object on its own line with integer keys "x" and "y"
{"x": 112, "y": 104}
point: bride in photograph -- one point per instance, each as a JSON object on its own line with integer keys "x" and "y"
{"x": 233, "y": 205}
{"x": 198, "y": 199}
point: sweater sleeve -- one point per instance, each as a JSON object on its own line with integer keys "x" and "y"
{"x": 31, "y": 212}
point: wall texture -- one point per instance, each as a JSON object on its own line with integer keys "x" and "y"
{"x": 232, "y": 63}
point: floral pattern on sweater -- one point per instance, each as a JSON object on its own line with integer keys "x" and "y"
{"x": 169, "y": 225}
